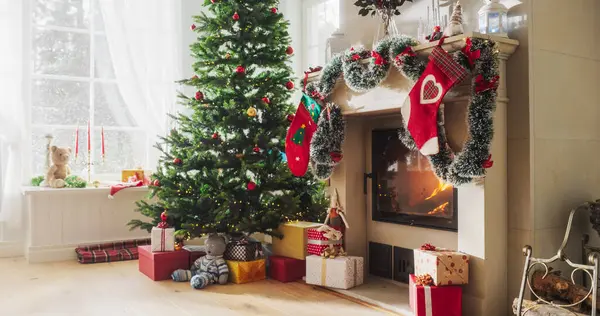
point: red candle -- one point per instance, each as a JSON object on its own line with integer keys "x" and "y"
{"x": 77, "y": 141}
{"x": 89, "y": 141}
{"x": 102, "y": 136}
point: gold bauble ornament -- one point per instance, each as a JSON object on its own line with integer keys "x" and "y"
{"x": 251, "y": 112}
{"x": 227, "y": 56}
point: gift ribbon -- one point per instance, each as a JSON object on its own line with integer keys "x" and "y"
{"x": 324, "y": 242}
{"x": 330, "y": 233}
{"x": 323, "y": 271}
{"x": 428, "y": 304}
{"x": 163, "y": 237}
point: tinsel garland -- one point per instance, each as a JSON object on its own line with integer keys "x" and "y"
{"x": 326, "y": 144}
{"x": 456, "y": 169}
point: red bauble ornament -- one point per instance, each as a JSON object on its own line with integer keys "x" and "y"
{"x": 266, "y": 100}
{"x": 177, "y": 161}
{"x": 290, "y": 117}
{"x": 163, "y": 216}
{"x": 289, "y": 50}
{"x": 193, "y": 27}
{"x": 236, "y": 16}
{"x": 256, "y": 149}
{"x": 289, "y": 85}
{"x": 215, "y": 135}
{"x": 213, "y": 1}
{"x": 240, "y": 70}
{"x": 199, "y": 95}
{"x": 156, "y": 183}
{"x": 274, "y": 10}
{"x": 251, "y": 186}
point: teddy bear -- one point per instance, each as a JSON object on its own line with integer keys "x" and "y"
{"x": 60, "y": 167}
{"x": 209, "y": 269}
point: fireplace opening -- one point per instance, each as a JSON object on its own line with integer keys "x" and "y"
{"x": 405, "y": 188}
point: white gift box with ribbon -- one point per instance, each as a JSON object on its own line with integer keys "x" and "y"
{"x": 162, "y": 239}
{"x": 338, "y": 272}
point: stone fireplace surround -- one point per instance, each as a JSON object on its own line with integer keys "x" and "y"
{"x": 482, "y": 215}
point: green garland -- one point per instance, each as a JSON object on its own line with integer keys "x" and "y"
{"x": 73, "y": 181}
{"x": 454, "y": 168}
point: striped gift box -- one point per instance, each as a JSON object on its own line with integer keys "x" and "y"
{"x": 317, "y": 242}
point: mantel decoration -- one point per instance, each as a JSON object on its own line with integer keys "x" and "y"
{"x": 479, "y": 57}
{"x": 386, "y": 9}
{"x": 493, "y": 18}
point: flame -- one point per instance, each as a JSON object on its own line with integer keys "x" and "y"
{"x": 441, "y": 187}
{"x": 439, "y": 209}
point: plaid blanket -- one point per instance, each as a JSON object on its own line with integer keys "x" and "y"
{"x": 110, "y": 252}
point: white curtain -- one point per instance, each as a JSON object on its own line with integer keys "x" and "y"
{"x": 13, "y": 139}
{"x": 145, "y": 46}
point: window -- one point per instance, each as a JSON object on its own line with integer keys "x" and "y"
{"x": 73, "y": 80}
{"x": 320, "y": 19}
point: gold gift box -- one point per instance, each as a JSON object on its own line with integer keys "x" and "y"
{"x": 247, "y": 271}
{"x": 293, "y": 244}
{"x": 125, "y": 174}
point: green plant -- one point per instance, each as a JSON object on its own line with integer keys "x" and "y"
{"x": 389, "y": 7}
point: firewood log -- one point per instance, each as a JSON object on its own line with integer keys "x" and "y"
{"x": 555, "y": 287}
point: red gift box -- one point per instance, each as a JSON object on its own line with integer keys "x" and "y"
{"x": 435, "y": 300}
{"x": 286, "y": 269}
{"x": 158, "y": 266}
{"x": 317, "y": 242}
{"x": 194, "y": 255}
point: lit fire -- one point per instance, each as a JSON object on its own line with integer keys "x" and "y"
{"x": 441, "y": 187}
{"x": 439, "y": 209}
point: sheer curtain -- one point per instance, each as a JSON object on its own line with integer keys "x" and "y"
{"x": 13, "y": 139}
{"x": 145, "y": 46}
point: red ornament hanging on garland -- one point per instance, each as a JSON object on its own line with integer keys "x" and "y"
{"x": 251, "y": 186}
{"x": 156, "y": 183}
{"x": 215, "y": 135}
{"x": 236, "y": 16}
{"x": 177, "y": 161}
{"x": 289, "y": 50}
{"x": 199, "y": 95}
{"x": 256, "y": 149}
{"x": 240, "y": 70}
{"x": 274, "y": 10}
{"x": 266, "y": 100}
{"x": 193, "y": 27}
{"x": 289, "y": 85}
{"x": 290, "y": 117}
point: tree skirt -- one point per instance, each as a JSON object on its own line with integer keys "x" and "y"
{"x": 110, "y": 252}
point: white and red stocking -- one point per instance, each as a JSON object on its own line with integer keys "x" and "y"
{"x": 299, "y": 135}
{"x": 420, "y": 114}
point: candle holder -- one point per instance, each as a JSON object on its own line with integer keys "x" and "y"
{"x": 88, "y": 163}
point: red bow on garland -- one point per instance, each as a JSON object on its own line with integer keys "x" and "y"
{"x": 428, "y": 247}
{"x": 407, "y": 52}
{"x": 471, "y": 55}
{"x": 308, "y": 72}
{"x": 488, "y": 163}
{"x": 336, "y": 156}
{"x": 483, "y": 85}
{"x": 378, "y": 58}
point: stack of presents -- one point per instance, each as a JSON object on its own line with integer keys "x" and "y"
{"x": 313, "y": 251}
{"x": 435, "y": 288}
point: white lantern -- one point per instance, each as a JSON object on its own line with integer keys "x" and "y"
{"x": 492, "y": 18}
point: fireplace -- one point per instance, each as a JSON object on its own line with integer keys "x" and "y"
{"x": 405, "y": 188}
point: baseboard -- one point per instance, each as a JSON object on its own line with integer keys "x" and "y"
{"x": 11, "y": 249}
{"x": 51, "y": 253}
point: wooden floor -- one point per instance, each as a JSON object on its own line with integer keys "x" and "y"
{"x": 69, "y": 288}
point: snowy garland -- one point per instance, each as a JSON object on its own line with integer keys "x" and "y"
{"x": 326, "y": 144}
{"x": 479, "y": 57}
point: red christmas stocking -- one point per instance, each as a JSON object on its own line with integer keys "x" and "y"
{"x": 420, "y": 115}
{"x": 299, "y": 135}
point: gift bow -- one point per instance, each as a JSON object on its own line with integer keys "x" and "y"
{"x": 330, "y": 233}
{"x": 483, "y": 85}
{"x": 424, "y": 280}
{"x": 428, "y": 247}
{"x": 378, "y": 58}
{"x": 406, "y": 52}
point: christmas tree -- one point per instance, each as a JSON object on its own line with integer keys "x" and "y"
{"x": 222, "y": 168}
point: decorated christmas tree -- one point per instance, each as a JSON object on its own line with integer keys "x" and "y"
{"x": 223, "y": 167}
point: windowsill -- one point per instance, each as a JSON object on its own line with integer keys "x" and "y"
{"x": 28, "y": 190}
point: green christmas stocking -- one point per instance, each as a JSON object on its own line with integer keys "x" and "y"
{"x": 299, "y": 135}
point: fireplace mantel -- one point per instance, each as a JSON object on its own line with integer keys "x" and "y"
{"x": 482, "y": 215}
{"x": 390, "y": 95}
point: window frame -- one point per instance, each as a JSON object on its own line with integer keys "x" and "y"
{"x": 306, "y": 5}
{"x": 30, "y": 26}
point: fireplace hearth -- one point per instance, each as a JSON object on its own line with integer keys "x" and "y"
{"x": 405, "y": 188}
